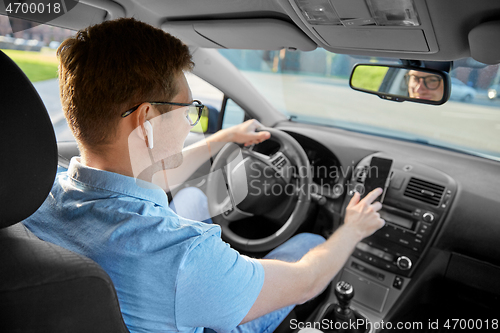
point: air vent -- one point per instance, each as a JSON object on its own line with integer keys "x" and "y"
{"x": 424, "y": 191}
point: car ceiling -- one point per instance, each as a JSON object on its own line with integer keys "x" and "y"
{"x": 442, "y": 36}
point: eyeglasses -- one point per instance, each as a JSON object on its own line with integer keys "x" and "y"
{"x": 194, "y": 111}
{"x": 431, "y": 82}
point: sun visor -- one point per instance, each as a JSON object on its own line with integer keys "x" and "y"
{"x": 483, "y": 43}
{"x": 253, "y": 34}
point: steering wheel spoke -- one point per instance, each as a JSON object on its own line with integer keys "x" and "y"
{"x": 248, "y": 151}
{"x": 280, "y": 164}
{"x": 232, "y": 213}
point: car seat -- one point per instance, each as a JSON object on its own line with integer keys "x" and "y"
{"x": 43, "y": 287}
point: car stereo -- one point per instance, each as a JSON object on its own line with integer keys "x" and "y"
{"x": 416, "y": 200}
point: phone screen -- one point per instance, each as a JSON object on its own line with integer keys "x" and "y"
{"x": 377, "y": 175}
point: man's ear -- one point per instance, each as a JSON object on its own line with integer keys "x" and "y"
{"x": 138, "y": 120}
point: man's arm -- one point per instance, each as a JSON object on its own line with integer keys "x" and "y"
{"x": 294, "y": 283}
{"x": 198, "y": 153}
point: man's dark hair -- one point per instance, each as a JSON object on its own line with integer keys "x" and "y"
{"x": 110, "y": 67}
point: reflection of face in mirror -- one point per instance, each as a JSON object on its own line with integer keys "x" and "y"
{"x": 424, "y": 85}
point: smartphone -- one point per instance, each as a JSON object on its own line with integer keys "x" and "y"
{"x": 378, "y": 176}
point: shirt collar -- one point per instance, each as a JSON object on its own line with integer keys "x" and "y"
{"x": 115, "y": 182}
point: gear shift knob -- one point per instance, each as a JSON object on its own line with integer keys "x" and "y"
{"x": 342, "y": 311}
{"x": 344, "y": 293}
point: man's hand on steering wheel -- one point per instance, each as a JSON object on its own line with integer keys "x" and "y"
{"x": 244, "y": 133}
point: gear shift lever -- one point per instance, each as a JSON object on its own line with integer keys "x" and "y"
{"x": 344, "y": 293}
{"x": 343, "y": 313}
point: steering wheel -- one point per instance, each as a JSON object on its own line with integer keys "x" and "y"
{"x": 243, "y": 182}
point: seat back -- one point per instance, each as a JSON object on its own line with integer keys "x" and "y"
{"x": 43, "y": 287}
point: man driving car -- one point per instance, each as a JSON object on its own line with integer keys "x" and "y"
{"x": 129, "y": 107}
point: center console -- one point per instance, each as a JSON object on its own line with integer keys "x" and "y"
{"x": 415, "y": 204}
{"x": 416, "y": 201}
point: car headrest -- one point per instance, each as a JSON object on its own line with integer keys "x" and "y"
{"x": 27, "y": 144}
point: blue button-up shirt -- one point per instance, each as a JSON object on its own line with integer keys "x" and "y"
{"x": 171, "y": 274}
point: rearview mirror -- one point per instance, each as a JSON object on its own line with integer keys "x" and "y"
{"x": 399, "y": 83}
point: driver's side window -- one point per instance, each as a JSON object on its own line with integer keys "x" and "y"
{"x": 233, "y": 114}
{"x": 220, "y": 112}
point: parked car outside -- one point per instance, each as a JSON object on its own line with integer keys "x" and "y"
{"x": 461, "y": 92}
{"x": 493, "y": 91}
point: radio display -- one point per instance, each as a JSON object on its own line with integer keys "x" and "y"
{"x": 397, "y": 220}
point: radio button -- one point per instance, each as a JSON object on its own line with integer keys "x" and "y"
{"x": 362, "y": 246}
{"x": 404, "y": 263}
{"x": 424, "y": 226}
{"x": 389, "y": 267}
{"x": 358, "y": 254}
{"x": 428, "y": 217}
{"x": 398, "y": 282}
{"x": 446, "y": 199}
{"x": 372, "y": 260}
{"x": 417, "y": 245}
{"x": 377, "y": 252}
{"x": 417, "y": 212}
{"x": 388, "y": 257}
{"x": 403, "y": 241}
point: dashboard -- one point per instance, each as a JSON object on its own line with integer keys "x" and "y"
{"x": 441, "y": 213}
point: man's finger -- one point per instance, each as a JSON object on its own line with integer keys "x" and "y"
{"x": 264, "y": 135}
{"x": 257, "y": 137}
{"x": 354, "y": 200}
{"x": 370, "y": 197}
{"x": 376, "y": 206}
{"x": 254, "y": 124}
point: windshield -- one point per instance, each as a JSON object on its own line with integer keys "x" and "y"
{"x": 313, "y": 87}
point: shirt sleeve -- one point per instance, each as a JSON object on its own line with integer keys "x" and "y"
{"x": 216, "y": 286}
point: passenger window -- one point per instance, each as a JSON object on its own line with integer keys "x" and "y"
{"x": 32, "y": 47}
{"x": 233, "y": 114}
